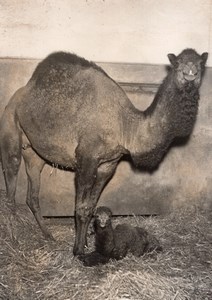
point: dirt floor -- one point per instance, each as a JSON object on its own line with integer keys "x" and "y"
{"x": 32, "y": 268}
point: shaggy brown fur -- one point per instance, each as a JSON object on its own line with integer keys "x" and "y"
{"x": 118, "y": 242}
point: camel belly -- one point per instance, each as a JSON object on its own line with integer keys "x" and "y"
{"x": 56, "y": 151}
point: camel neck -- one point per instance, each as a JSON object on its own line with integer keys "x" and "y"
{"x": 172, "y": 114}
{"x": 104, "y": 240}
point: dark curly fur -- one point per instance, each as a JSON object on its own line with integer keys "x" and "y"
{"x": 178, "y": 98}
{"x": 118, "y": 242}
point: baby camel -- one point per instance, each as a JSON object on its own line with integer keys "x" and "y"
{"x": 117, "y": 242}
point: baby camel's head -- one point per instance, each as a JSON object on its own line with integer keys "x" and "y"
{"x": 102, "y": 216}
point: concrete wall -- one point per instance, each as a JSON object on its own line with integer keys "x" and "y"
{"x": 141, "y": 31}
{"x": 184, "y": 177}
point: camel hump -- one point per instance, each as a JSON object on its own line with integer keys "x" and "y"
{"x": 63, "y": 62}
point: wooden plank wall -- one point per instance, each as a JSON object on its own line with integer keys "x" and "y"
{"x": 183, "y": 178}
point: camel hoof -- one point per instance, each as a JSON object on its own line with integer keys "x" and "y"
{"x": 77, "y": 251}
{"x": 48, "y": 236}
{"x": 13, "y": 209}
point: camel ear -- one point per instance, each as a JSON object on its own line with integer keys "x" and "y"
{"x": 204, "y": 57}
{"x": 173, "y": 59}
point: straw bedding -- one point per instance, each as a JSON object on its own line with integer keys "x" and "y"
{"x": 32, "y": 268}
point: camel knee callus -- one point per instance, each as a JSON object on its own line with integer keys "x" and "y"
{"x": 72, "y": 114}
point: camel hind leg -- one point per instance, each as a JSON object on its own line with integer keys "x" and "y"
{"x": 10, "y": 152}
{"x": 34, "y": 166}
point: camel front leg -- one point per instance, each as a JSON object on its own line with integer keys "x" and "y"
{"x": 84, "y": 181}
{"x": 89, "y": 185}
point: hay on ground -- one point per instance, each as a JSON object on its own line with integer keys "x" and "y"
{"x": 32, "y": 268}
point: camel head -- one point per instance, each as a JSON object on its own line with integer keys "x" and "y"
{"x": 188, "y": 67}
